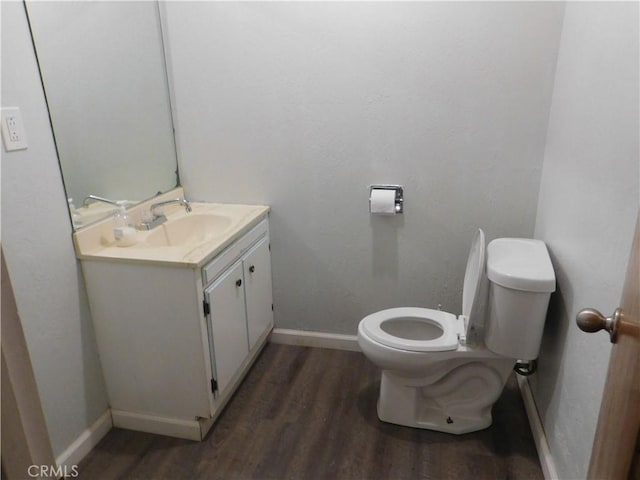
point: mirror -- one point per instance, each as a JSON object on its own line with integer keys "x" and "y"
{"x": 104, "y": 75}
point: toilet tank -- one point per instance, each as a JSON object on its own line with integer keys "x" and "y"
{"x": 521, "y": 280}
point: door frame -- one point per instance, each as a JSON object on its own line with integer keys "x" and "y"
{"x": 25, "y": 438}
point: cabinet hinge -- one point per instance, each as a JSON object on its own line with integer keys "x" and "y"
{"x": 214, "y": 385}
{"x": 269, "y": 246}
{"x": 206, "y": 308}
{"x": 272, "y": 307}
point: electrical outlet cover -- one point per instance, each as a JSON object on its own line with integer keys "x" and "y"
{"x": 13, "y": 133}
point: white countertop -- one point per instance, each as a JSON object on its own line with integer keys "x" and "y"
{"x": 97, "y": 242}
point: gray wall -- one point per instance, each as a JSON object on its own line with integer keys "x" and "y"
{"x": 36, "y": 239}
{"x": 586, "y": 215}
{"x": 302, "y": 105}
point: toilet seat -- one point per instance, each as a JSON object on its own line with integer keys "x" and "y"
{"x": 414, "y": 329}
{"x": 374, "y": 326}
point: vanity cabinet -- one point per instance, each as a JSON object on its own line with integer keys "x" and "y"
{"x": 176, "y": 339}
{"x": 238, "y": 305}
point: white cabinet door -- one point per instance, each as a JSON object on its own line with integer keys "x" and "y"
{"x": 227, "y": 324}
{"x": 257, "y": 274}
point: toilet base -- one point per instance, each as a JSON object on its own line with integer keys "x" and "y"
{"x": 457, "y": 402}
{"x": 438, "y": 421}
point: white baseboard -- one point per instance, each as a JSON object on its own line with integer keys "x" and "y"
{"x": 142, "y": 422}
{"x": 544, "y": 452}
{"x": 85, "y": 442}
{"x": 304, "y": 338}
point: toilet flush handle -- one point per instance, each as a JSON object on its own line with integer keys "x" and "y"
{"x": 591, "y": 320}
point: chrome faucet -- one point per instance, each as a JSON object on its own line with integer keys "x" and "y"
{"x": 159, "y": 219}
{"x": 181, "y": 201}
{"x": 96, "y": 198}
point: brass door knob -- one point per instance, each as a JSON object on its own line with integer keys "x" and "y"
{"x": 591, "y": 320}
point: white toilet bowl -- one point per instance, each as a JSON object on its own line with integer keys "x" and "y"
{"x": 436, "y": 371}
{"x": 450, "y": 388}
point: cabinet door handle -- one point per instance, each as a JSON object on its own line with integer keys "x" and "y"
{"x": 252, "y": 268}
{"x": 238, "y": 282}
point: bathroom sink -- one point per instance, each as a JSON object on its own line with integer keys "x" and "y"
{"x": 184, "y": 239}
{"x": 190, "y": 229}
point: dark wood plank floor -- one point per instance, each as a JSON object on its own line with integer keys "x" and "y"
{"x": 308, "y": 413}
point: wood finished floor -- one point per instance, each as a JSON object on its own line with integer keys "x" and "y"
{"x": 310, "y": 413}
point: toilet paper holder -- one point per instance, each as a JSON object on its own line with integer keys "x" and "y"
{"x": 399, "y": 200}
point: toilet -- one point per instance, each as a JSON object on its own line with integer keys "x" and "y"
{"x": 444, "y": 372}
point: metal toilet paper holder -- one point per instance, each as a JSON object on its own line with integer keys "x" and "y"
{"x": 399, "y": 195}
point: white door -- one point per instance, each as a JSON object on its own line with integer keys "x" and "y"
{"x": 227, "y": 324}
{"x": 257, "y": 274}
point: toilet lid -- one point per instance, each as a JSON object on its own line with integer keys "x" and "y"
{"x": 413, "y": 329}
{"x": 473, "y": 277}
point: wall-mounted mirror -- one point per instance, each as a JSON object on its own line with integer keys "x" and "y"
{"x": 104, "y": 75}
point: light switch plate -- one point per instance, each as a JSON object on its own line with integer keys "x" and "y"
{"x": 13, "y": 133}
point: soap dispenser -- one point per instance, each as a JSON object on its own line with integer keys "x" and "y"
{"x": 124, "y": 232}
